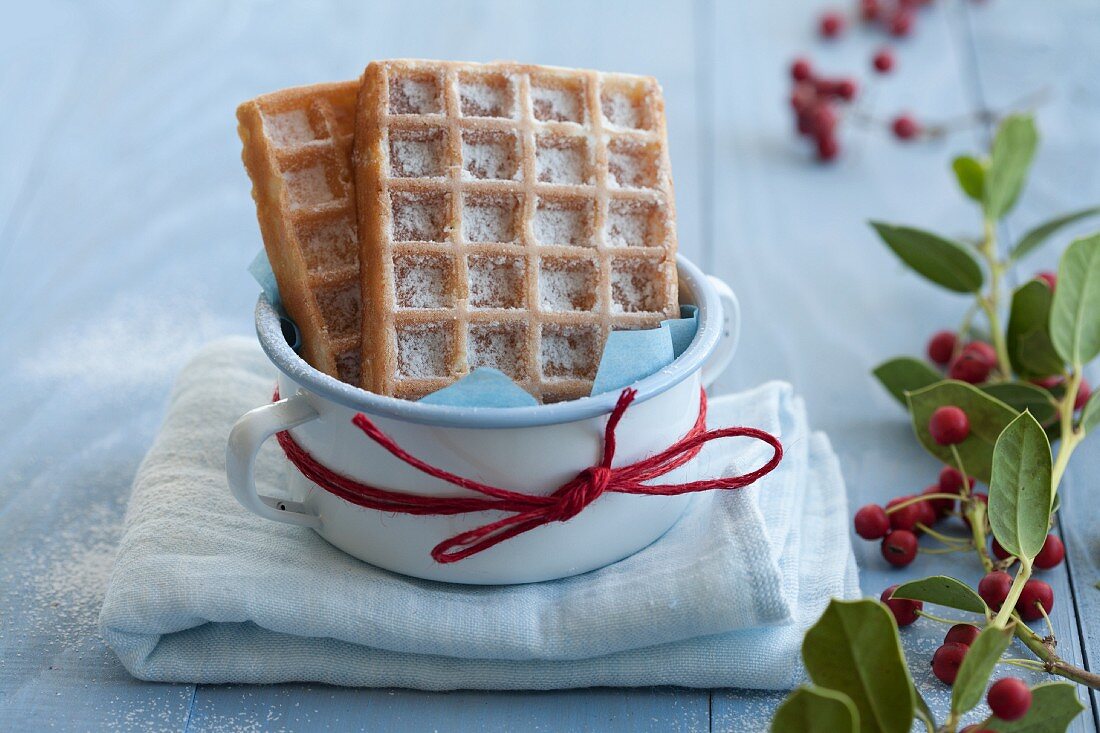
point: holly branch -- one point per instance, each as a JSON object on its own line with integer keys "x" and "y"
{"x": 990, "y": 402}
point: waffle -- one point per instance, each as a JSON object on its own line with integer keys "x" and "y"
{"x": 510, "y": 216}
{"x": 297, "y": 150}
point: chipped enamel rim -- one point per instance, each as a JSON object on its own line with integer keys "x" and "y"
{"x": 694, "y": 289}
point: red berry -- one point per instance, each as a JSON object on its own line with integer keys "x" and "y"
{"x": 949, "y": 425}
{"x": 940, "y": 507}
{"x": 827, "y": 147}
{"x": 883, "y": 60}
{"x": 1009, "y": 698}
{"x": 846, "y": 89}
{"x": 951, "y": 481}
{"x": 899, "y": 547}
{"x": 872, "y": 522}
{"x": 981, "y": 350}
{"x": 1047, "y": 383}
{"x": 805, "y": 122}
{"x": 801, "y": 69}
{"x": 946, "y": 661}
{"x": 1084, "y": 391}
{"x": 969, "y": 368}
{"x": 941, "y": 346}
{"x": 804, "y": 97}
{"x": 962, "y": 634}
{"x": 904, "y": 610}
{"x": 905, "y": 517}
{"x": 901, "y": 23}
{"x": 993, "y": 588}
{"x": 973, "y": 728}
{"x": 1050, "y": 278}
{"x": 823, "y": 119}
{"x": 1052, "y": 554}
{"x": 831, "y": 24}
{"x": 999, "y": 552}
{"x": 1034, "y": 594}
{"x": 905, "y": 127}
{"x": 927, "y": 514}
{"x": 868, "y": 9}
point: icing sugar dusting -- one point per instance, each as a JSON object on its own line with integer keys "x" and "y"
{"x": 133, "y": 343}
{"x": 60, "y": 584}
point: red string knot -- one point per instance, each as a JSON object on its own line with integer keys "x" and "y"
{"x": 574, "y": 496}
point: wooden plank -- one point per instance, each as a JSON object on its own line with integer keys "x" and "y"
{"x": 308, "y": 707}
{"x": 541, "y": 34}
{"x": 61, "y": 508}
{"x": 35, "y": 101}
{"x": 134, "y": 228}
{"x": 144, "y": 247}
{"x": 1021, "y": 49}
{"x": 612, "y": 36}
{"x": 823, "y": 301}
{"x": 63, "y": 482}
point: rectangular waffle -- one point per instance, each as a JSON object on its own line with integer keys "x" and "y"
{"x": 510, "y": 216}
{"x": 297, "y": 150}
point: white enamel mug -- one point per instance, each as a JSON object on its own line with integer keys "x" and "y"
{"x": 533, "y": 450}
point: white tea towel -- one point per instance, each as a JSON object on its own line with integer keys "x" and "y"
{"x": 203, "y": 591}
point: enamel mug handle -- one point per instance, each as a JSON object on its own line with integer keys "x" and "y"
{"x": 245, "y": 440}
{"x": 717, "y": 362}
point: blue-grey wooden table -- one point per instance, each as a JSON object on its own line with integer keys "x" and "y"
{"x": 126, "y": 226}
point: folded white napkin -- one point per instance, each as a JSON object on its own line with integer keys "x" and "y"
{"x": 204, "y": 591}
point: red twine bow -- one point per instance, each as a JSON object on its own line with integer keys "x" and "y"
{"x": 528, "y": 511}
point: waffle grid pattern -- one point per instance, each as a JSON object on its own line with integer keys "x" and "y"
{"x": 297, "y": 150}
{"x": 521, "y": 214}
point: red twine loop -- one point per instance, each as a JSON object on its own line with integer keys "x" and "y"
{"x": 527, "y": 511}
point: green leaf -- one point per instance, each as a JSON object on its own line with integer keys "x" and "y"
{"x": 971, "y": 176}
{"x": 1028, "y": 336}
{"x": 923, "y": 711}
{"x": 1022, "y": 396}
{"x": 905, "y": 374}
{"x": 1020, "y": 492}
{"x": 1054, "y": 705}
{"x": 977, "y": 666}
{"x": 1013, "y": 148}
{"x": 943, "y": 591}
{"x": 988, "y": 417}
{"x": 1040, "y": 234}
{"x": 853, "y": 648}
{"x": 816, "y": 710}
{"x": 945, "y": 262}
{"x": 1075, "y": 313}
{"x": 1090, "y": 416}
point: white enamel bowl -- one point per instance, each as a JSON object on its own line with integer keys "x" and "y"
{"x": 528, "y": 449}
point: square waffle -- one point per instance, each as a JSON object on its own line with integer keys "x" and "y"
{"x": 297, "y": 151}
{"x": 510, "y": 216}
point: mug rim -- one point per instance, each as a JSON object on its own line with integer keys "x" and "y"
{"x": 708, "y": 332}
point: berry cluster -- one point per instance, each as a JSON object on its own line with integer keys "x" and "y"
{"x": 814, "y": 101}
{"x": 972, "y": 362}
{"x": 976, "y": 361}
{"x": 1035, "y": 601}
{"x": 1008, "y": 698}
{"x": 899, "y": 523}
{"x": 896, "y": 18}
